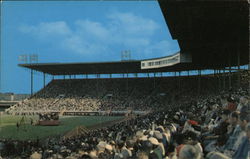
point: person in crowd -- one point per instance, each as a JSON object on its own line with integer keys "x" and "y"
{"x": 243, "y": 151}
{"x": 189, "y": 152}
{"x": 234, "y": 131}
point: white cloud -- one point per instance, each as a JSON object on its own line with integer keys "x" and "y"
{"x": 124, "y": 30}
{"x": 131, "y": 24}
{"x": 95, "y": 29}
{"x": 80, "y": 45}
{"x": 47, "y": 29}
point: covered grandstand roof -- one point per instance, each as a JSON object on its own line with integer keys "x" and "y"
{"x": 132, "y": 66}
{"x": 212, "y": 32}
{"x": 106, "y": 68}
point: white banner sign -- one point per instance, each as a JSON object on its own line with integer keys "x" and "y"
{"x": 166, "y": 61}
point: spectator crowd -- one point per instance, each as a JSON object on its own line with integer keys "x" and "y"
{"x": 182, "y": 125}
{"x": 215, "y": 126}
{"x": 110, "y": 94}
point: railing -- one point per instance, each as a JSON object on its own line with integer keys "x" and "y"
{"x": 80, "y": 113}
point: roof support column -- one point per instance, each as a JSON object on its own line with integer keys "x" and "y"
{"x": 199, "y": 81}
{"x": 188, "y": 73}
{"x": 224, "y": 79}
{"x": 31, "y": 82}
{"x": 215, "y": 77}
{"x": 44, "y": 80}
{"x": 136, "y": 75}
{"x": 154, "y": 79}
{"x": 219, "y": 79}
{"x": 97, "y": 82}
{"x": 229, "y": 76}
{"x": 238, "y": 63}
{"x": 64, "y": 77}
{"x": 179, "y": 81}
{"x": 127, "y": 83}
{"x": 175, "y": 80}
{"x": 110, "y": 75}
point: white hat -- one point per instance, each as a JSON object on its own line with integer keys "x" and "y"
{"x": 101, "y": 145}
{"x": 93, "y": 154}
{"x": 144, "y": 138}
{"x": 151, "y": 133}
{"x": 153, "y": 140}
{"x": 36, "y": 155}
{"x": 108, "y": 147}
{"x": 139, "y": 133}
{"x": 158, "y": 135}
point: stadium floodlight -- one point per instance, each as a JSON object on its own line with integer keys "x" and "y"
{"x": 126, "y": 55}
{"x": 23, "y": 58}
{"x": 28, "y": 57}
{"x": 33, "y": 58}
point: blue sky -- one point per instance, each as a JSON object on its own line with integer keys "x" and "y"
{"x": 78, "y": 31}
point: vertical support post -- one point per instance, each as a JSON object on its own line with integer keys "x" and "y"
{"x": 179, "y": 82}
{"x": 154, "y": 79}
{"x": 44, "y": 80}
{"x": 229, "y": 76}
{"x": 224, "y": 79}
{"x": 97, "y": 82}
{"x": 136, "y": 75}
{"x": 219, "y": 79}
{"x": 188, "y": 73}
{"x": 86, "y": 76}
{"x": 64, "y": 77}
{"x": 110, "y": 75}
{"x": 215, "y": 77}
{"x": 238, "y": 63}
{"x": 199, "y": 81}
{"x": 175, "y": 80}
{"x": 31, "y": 82}
{"x": 127, "y": 83}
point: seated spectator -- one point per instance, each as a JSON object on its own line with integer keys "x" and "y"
{"x": 232, "y": 106}
{"x": 189, "y": 152}
{"x": 243, "y": 150}
{"x": 233, "y": 132}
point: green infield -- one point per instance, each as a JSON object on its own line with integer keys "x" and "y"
{"x": 9, "y": 130}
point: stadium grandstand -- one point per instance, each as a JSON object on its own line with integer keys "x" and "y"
{"x": 201, "y": 111}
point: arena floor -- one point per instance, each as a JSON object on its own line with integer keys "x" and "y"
{"x": 26, "y": 131}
